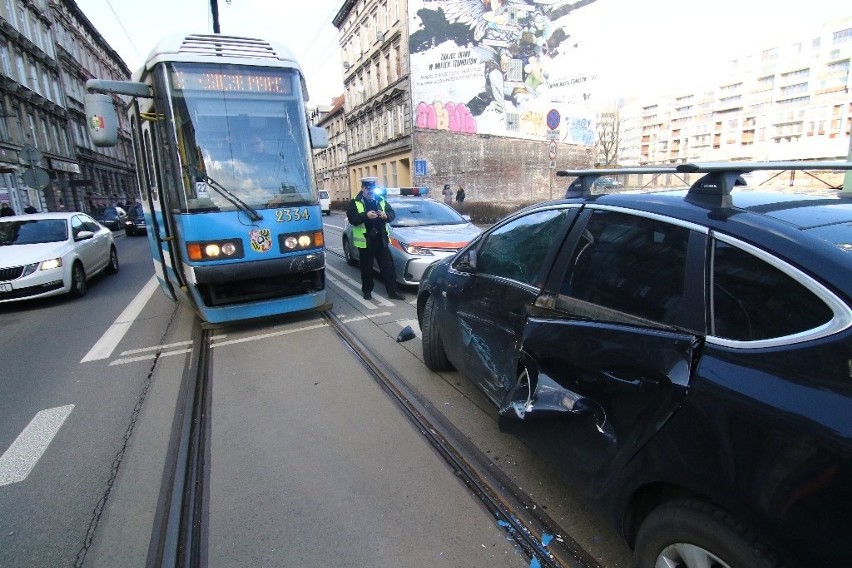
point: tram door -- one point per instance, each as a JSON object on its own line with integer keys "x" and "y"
{"x": 166, "y": 267}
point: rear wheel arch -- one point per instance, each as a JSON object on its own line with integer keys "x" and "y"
{"x": 685, "y": 528}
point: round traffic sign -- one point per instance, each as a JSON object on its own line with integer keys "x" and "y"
{"x": 553, "y": 119}
{"x": 551, "y": 149}
{"x": 36, "y": 177}
{"x": 30, "y": 155}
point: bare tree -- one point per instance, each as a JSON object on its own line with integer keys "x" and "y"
{"x": 608, "y": 137}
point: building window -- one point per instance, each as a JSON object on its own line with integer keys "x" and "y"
{"x": 400, "y": 119}
{"x": 32, "y": 133}
{"x": 841, "y": 37}
{"x": 515, "y": 70}
{"x": 22, "y": 72}
{"x": 512, "y": 122}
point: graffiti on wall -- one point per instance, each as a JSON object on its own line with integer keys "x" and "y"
{"x": 498, "y": 66}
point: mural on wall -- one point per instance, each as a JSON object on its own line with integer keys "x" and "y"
{"x": 498, "y": 66}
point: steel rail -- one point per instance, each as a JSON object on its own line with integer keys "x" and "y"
{"x": 526, "y": 523}
{"x": 179, "y": 535}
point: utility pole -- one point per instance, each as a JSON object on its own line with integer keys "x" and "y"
{"x": 214, "y": 9}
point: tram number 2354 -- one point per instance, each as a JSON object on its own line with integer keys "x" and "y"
{"x": 287, "y": 215}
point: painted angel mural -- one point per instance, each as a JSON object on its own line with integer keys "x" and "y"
{"x": 484, "y": 65}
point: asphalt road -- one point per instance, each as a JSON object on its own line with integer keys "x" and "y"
{"x": 311, "y": 463}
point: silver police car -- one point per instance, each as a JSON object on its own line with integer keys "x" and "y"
{"x": 423, "y": 232}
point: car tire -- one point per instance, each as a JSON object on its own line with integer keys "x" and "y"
{"x": 112, "y": 267}
{"x": 347, "y": 254}
{"x": 434, "y": 355}
{"x": 78, "y": 281}
{"x": 683, "y": 532}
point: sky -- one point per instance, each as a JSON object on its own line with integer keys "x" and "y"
{"x": 304, "y": 27}
{"x": 647, "y": 46}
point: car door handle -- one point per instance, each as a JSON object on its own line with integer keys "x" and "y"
{"x": 639, "y": 382}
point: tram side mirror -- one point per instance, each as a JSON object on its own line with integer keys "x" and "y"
{"x": 101, "y": 119}
{"x": 319, "y": 137}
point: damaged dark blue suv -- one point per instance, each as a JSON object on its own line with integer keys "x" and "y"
{"x": 684, "y": 357}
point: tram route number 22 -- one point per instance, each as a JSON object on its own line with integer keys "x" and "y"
{"x": 287, "y": 215}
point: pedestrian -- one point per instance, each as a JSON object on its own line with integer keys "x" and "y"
{"x": 30, "y": 209}
{"x": 369, "y": 214}
{"x": 447, "y": 193}
{"x": 460, "y": 195}
{"x": 6, "y": 210}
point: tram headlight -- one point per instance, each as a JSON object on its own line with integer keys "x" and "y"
{"x": 214, "y": 250}
{"x": 301, "y": 241}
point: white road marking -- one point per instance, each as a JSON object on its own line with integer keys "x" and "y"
{"x": 109, "y": 340}
{"x": 362, "y": 318}
{"x": 18, "y": 461}
{"x": 157, "y": 347}
{"x": 148, "y": 357}
{"x": 268, "y": 335}
{"x": 357, "y": 285}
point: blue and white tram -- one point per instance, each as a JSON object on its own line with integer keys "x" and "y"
{"x": 223, "y": 150}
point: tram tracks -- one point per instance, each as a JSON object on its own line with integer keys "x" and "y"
{"x": 180, "y": 536}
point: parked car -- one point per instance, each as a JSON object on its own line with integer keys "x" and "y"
{"x": 607, "y": 183}
{"x": 47, "y": 254}
{"x": 684, "y": 358}
{"x": 423, "y": 232}
{"x": 110, "y": 217}
{"x": 325, "y": 202}
{"x": 134, "y": 224}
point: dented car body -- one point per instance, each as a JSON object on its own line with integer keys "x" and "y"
{"x": 677, "y": 355}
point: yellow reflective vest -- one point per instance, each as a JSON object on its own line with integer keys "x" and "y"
{"x": 359, "y": 232}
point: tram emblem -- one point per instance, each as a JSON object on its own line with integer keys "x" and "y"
{"x": 261, "y": 240}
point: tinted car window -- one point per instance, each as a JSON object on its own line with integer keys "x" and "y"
{"x": 753, "y": 300}
{"x": 517, "y": 250}
{"x": 630, "y": 264}
{"x": 33, "y": 232}
{"x": 419, "y": 213}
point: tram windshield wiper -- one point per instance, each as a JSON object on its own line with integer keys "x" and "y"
{"x": 224, "y": 192}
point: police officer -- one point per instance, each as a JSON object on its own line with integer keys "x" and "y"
{"x": 369, "y": 214}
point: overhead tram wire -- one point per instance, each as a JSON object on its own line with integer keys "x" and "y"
{"x": 121, "y": 25}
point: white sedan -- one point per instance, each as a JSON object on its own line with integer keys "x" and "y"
{"x": 48, "y": 254}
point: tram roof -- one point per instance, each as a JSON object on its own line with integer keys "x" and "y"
{"x": 218, "y": 48}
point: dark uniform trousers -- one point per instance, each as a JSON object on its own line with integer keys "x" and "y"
{"x": 378, "y": 250}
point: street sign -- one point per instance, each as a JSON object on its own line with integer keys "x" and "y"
{"x": 420, "y": 167}
{"x": 551, "y": 149}
{"x": 553, "y": 164}
{"x": 30, "y": 155}
{"x": 553, "y": 134}
{"x": 36, "y": 177}
{"x": 553, "y": 119}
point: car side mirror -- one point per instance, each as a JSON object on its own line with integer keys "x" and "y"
{"x": 466, "y": 262}
{"x": 466, "y": 218}
{"x": 83, "y": 235}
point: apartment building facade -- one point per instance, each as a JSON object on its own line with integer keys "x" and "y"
{"x": 331, "y": 162}
{"x": 48, "y": 49}
{"x": 789, "y": 101}
{"x": 438, "y": 94}
{"x": 377, "y": 104}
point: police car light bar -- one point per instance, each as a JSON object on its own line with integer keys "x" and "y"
{"x": 407, "y": 191}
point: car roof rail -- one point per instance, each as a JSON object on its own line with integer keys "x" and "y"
{"x": 582, "y": 186}
{"x": 713, "y": 189}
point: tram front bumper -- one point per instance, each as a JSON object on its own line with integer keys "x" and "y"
{"x": 223, "y": 284}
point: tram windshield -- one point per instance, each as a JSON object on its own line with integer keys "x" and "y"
{"x": 242, "y": 136}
